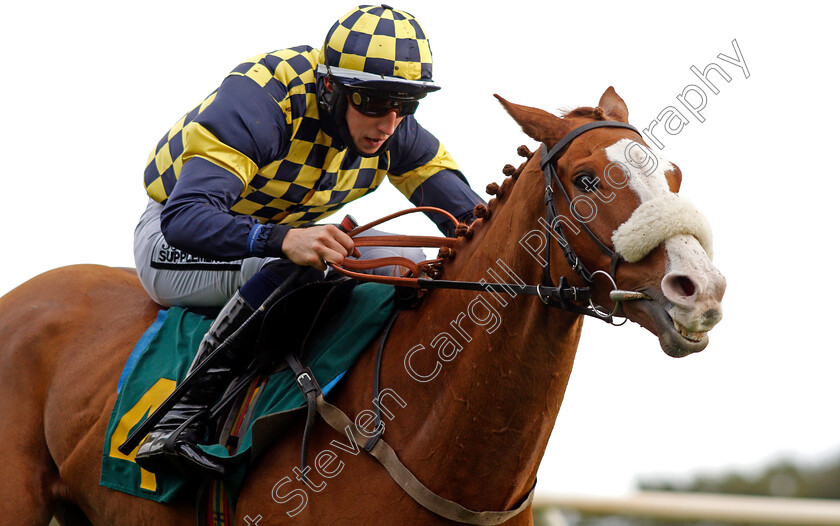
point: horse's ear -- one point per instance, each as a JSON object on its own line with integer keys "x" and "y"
{"x": 613, "y": 105}
{"x": 537, "y": 124}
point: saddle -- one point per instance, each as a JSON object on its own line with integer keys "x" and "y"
{"x": 285, "y": 332}
{"x": 292, "y": 329}
{"x": 287, "y": 329}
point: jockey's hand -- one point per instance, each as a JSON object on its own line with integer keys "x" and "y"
{"x": 317, "y": 245}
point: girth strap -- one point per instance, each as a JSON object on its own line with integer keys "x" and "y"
{"x": 311, "y": 391}
{"x": 382, "y": 452}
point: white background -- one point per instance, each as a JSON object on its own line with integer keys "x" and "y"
{"x": 88, "y": 88}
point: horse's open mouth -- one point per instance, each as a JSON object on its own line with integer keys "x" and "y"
{"x": 695, "y": 337}
{"x": 674, "y": 338}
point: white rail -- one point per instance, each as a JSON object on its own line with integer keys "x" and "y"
{"x": 703, "y": 506}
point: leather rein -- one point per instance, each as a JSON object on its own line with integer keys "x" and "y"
{"x": 563, "y": 295}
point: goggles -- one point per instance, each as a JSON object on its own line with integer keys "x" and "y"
{"x": 374, "y": 103}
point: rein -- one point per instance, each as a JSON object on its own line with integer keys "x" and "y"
{"x": 563, "y": 295}
{"x": 351, "y": 267}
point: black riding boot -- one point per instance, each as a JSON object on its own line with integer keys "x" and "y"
{"x": 154, "y": 454}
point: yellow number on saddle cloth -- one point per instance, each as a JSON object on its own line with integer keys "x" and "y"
{"x": 150, "y": 401}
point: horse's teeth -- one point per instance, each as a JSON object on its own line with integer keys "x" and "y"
{"x": 693, "y": 336}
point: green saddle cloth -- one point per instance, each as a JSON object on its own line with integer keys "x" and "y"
{"x": 156, "y": 367}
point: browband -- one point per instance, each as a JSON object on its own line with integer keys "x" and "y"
{"x": 572, "y": 135}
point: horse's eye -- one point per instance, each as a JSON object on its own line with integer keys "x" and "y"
{"x": 587, "y": 182}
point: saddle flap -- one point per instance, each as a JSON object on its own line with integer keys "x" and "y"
{"x": 288, "y": 324}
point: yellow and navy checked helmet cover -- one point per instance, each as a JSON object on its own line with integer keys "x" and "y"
{"x": 379, "y": 40}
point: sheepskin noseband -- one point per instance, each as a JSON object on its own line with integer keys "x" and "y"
{"x": 659, "y": 219}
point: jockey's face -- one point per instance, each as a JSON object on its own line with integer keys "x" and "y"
{"x": 370, "y": 133}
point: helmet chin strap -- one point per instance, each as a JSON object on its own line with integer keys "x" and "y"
{"x": 334, "y": 103}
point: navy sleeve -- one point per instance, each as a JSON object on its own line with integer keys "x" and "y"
{"x": 197, "y": 217}
{"x": 449, "y": 190}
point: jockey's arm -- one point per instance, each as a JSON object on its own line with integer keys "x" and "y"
{"x": 197, "y": 219}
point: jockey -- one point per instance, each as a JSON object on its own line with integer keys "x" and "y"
{"x": 288, "y": 138}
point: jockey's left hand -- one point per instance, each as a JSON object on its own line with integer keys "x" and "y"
{"x": 315, "y": 246}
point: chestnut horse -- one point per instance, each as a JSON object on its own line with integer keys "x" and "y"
{"x": 471, "y": 383}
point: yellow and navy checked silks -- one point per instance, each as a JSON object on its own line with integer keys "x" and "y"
{"x": 264, "y": 126}
{"x": 379, "y": 40}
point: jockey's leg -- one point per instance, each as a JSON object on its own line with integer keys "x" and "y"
{"x": 174, "y": 277}
{"x": 154, "y": 454}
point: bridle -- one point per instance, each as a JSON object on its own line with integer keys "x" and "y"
{"x": 563, "y": 295}
{"x": 557, "y": 296}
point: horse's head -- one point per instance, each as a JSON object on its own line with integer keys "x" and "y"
{"x": 627, "y": 197}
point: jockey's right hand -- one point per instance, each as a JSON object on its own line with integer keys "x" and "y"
{"x": 317, "y": 245}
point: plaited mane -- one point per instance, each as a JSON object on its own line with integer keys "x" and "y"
{"x": 499, "y": 192}
{"x": 483, "y": 213}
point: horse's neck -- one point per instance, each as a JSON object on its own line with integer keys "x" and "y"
{"x": 490, "y": 409}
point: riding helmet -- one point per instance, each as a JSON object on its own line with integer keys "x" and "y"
{"x": 377, "y": 48}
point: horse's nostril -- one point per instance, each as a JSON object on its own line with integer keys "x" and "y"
{"x": 678, "y": 287}
{"x": 686, "y": 285}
